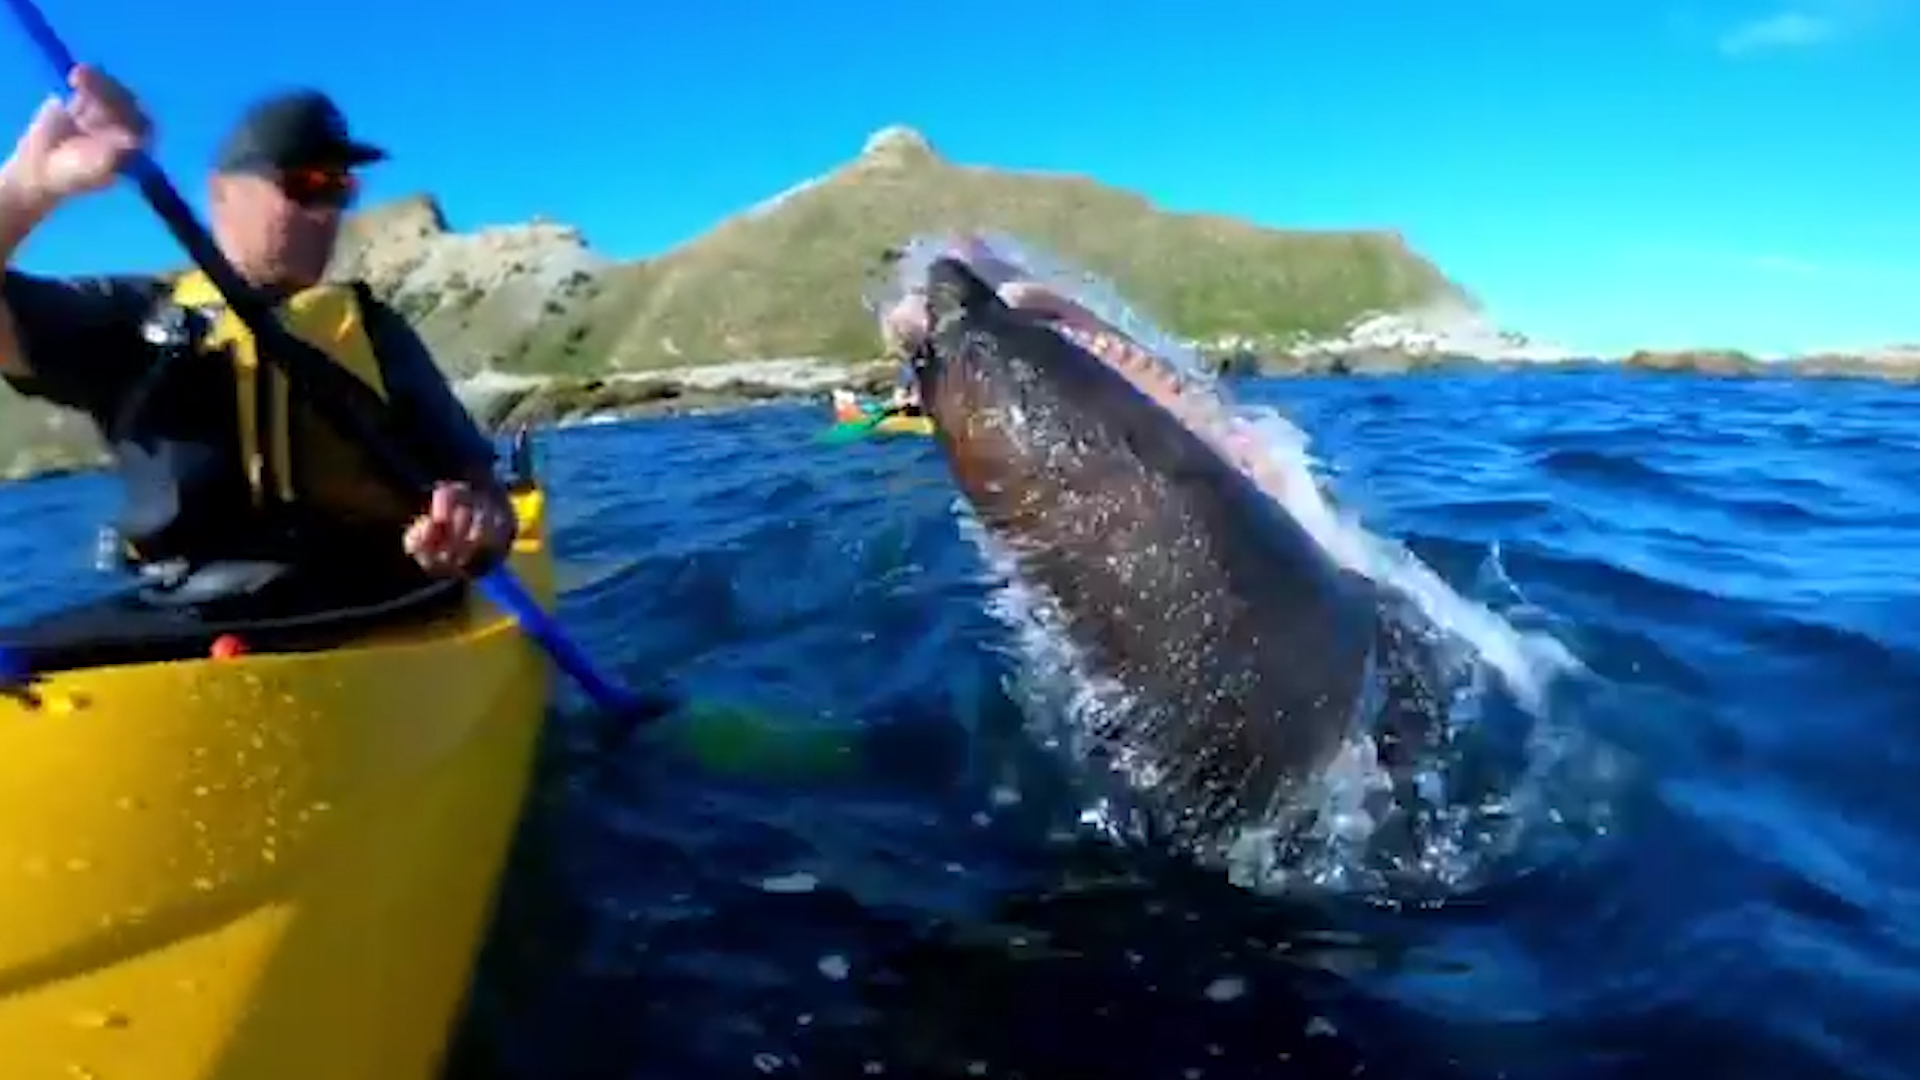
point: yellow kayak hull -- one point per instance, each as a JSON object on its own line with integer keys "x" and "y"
{"x": 906, "y": 425}
{"x": 273, "y": 867}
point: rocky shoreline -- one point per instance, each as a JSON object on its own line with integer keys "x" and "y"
{"x": 509, "y": 401}
{"x": 503, "y": 402}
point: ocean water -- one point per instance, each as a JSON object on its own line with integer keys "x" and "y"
{"x": 850, "y": 862}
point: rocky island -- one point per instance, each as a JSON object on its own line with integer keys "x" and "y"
{"x": 536, "y": 326}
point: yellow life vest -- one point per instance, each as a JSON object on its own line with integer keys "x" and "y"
{"x": 290, "y": 453}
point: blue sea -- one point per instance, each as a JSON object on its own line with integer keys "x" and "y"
{"x": 847, "y": 860}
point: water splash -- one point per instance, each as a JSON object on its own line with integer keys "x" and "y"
{"x": 1477, "y": 661}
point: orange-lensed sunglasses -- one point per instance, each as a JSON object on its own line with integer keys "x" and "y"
{"x": 315, "y": 187}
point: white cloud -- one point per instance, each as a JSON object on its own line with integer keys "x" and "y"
{"x": 1803, "y": 24}
{"x": 1782, "y": 30}
{"x": 1830, "y": 267}
{"x": 1788, "y": 265}
{"x": 1839, "y": 272}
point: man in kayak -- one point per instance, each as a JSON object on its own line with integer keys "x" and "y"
{"x": 240, "y": 498}
{"x": 905, "y": 400}
{"x": 846, "y": 406}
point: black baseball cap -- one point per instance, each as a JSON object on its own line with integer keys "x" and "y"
{"x": 291, "y": 129}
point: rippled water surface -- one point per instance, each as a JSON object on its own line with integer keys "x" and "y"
{"x": 837, "y": 879}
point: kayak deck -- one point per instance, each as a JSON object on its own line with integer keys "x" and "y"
{"x": 906, "y": 425}
{"x": 892, "y": 425}
{"x": 273, "y": 867}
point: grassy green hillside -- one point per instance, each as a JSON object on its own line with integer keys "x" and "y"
{"x": 785, "y": 278}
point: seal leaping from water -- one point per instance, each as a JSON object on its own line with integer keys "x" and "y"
{"x": 1242, "y": 648}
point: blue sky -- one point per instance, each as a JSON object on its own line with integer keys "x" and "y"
{"x": 1606, "y": 173}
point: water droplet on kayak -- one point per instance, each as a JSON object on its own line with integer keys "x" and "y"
{"x": 799, "y": 882}
{"x": 34, "y": 866}
{"x": 78, "y": 865}
{"x": 102, "y": 1019}
{"x": 81, "y": 1072}
{"x": 129, "y": 802}
{"x": 203, "y": 884}
{"x": 1226, "y": 988}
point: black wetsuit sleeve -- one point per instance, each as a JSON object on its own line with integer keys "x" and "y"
{"x": 439, "y": 430}
{"x": 82, "y": 336}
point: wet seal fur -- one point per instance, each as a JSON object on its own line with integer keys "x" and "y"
{"x": 1245, "y": 652}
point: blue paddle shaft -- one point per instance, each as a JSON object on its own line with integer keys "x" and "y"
{"x": 499, "y": 586}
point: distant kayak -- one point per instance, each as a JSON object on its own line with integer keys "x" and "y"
{"x": 853, "y": 421}
{"x": 900, "y": 425}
